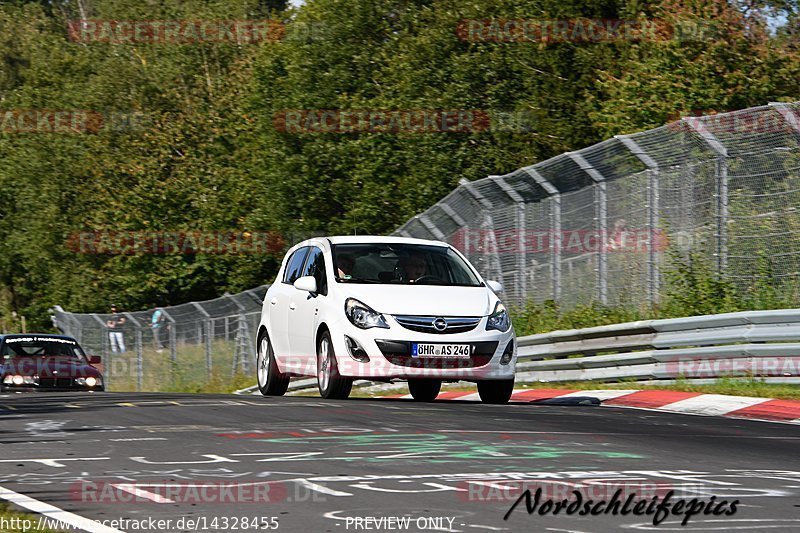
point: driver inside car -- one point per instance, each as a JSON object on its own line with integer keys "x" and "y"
{"x": 412, "y": 267}
{"x": 344, "y": 266}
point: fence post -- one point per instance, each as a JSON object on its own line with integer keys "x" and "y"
{"x": 555, "y": 228}
{"x": 173, "y": 351}
{"x": 519, "y": 202}
{"x": 787, "y": 113}
{"x": 139, "y": 355}
{"x": 243, "y": 349}
{"x": 487, "y": 208}
{"x": 722, "y": 214}
{"x": 721, "y": 189}
{"x": 104, "y": 344}
{"x": 208, "y": 346}
{"x": 653, "y": 274}
{"x": 601, "y": 205}
{"x": 239, "y": 359}
{"x": 209, "y": 334}
{"x": 430, "y": 226}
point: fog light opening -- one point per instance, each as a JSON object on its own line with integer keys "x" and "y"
{"x": 508, "y": 353}
{"x": 356, "y": 351}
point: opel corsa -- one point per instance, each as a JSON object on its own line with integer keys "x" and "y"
{"x": 384, "y": 309}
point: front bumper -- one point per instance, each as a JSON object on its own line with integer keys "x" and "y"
{"x": 51, "y": 385}
{"x": 390, "y": 354}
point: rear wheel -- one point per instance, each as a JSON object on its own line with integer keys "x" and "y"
{"x": 424, "y": 390}
{"x": 496, "y": 391}
{"x": 332, "y": 386}
{"x": 270, "y": 381}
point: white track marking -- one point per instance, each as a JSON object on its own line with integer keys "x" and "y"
{"x": 712, "y": 404}
{"x": 132, "y": 488}
{"x": 601, "y": 395}
{"x": 54, "y": 513}
{"x": 55, "y": 463}
{"x": 320, "y": 488}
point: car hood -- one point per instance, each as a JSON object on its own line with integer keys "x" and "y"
{"x": 423, "y": 299}
{"x": 48, "y": 367}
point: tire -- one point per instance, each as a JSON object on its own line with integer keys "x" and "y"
{"x": 270, "y": 381}
{"x": 424, "y": 390}
{"x": 331, "y": 385}
{"x": 496, "y": 391}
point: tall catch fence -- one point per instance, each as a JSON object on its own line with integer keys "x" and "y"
{"x": 597, "y": 224}
{"x": 591, "y": 225}
{"x": 191, "y": 345}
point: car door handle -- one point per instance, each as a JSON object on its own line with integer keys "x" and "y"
{"x": 274, "y": 301}
{"x": 292, "y": 306}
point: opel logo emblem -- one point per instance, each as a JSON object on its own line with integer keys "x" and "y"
{"x": 440, "y": 324}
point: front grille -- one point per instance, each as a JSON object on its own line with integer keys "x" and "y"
{"x": 424, "y": 324}
{"x": 55, "y": 383}
{"x": 399, "y": 353}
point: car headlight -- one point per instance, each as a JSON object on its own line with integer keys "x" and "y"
{"x": 91, "y": 381}
{"x": 16, "y": 379}
{"x": 499, "y": 318}
{"x": 363, "y": 316}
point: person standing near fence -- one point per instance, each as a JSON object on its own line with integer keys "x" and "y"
{"x": 157, "y": 323}
{"x": 115, "y": 334}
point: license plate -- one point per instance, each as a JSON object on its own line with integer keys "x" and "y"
{"x": 439, "y": 350}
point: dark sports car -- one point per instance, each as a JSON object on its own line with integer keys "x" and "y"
{"x": 45, "y": 362}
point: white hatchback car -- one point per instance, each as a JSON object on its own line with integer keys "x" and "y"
{"x": 384, "y": 309}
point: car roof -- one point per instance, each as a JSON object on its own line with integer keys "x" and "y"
{"x": 370, "y": 239}
{"x": 38, "y": 335}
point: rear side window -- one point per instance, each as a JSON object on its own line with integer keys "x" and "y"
{"x": 315, "y": 266}
{"x": 294, "y": 266}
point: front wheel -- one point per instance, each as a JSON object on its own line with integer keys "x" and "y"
{"x": 332, "y": 386}
{"x": 424, "y": 390}
{"x": 270, "y": 381}
{"x": 496, "y": 391}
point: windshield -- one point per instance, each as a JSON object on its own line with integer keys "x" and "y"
{"x": 401, "y": 264}
{"x": 14, "y": 347}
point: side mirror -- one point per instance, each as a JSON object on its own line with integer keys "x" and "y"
{"x": 94, "y": 359}
{"x": 496, "y": 286}
{"x": 306, "y": 283}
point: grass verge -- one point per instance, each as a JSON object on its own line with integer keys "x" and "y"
{"x": 21, "y": 521}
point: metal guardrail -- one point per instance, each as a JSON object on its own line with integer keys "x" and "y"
{"x": 699, "y": 349}
{"x": 752, "y": 343}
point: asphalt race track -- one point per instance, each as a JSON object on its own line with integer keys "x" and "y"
{"x": 307, "y": 465}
